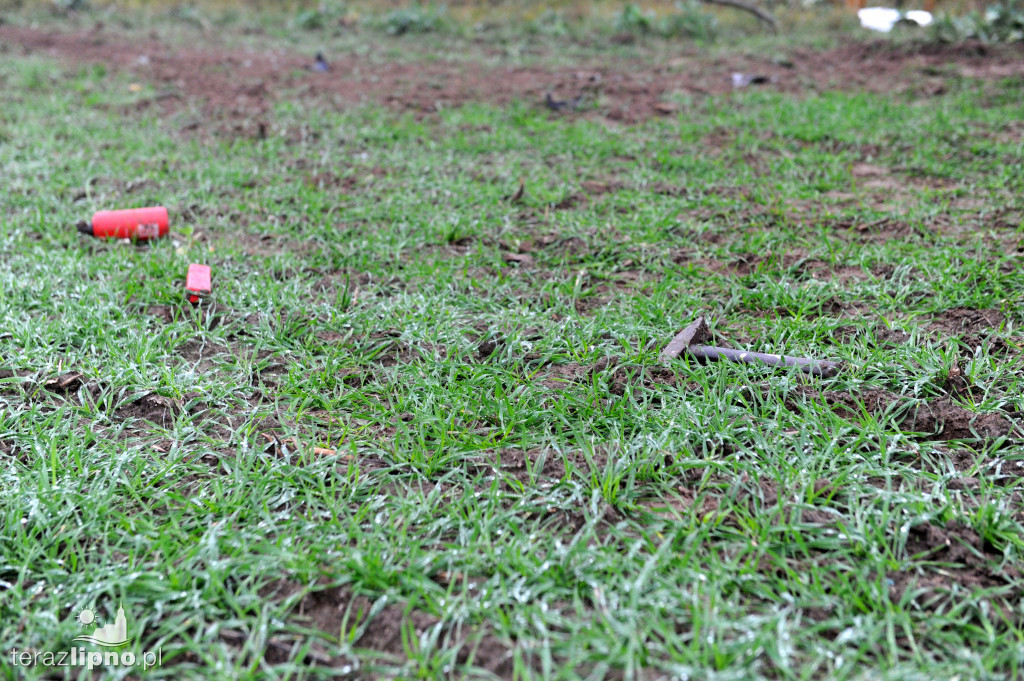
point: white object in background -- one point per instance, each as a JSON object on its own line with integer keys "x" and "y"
{"x": 884, "y": 18}
{"x": 920, "y": 16}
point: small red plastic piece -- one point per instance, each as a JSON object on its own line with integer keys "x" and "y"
{"x": 197, "y": 282}
{"x": 140, "y": 224}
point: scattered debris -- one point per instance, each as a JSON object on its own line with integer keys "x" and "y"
{"x": 320, "y": 65}
{"x": 65, "y": 383}
{"x": 741, "y": 80}
{"x": 519, "y": 193}
{"x": 522, "y": 259}
{"x": 138, "y": 224}
{"x": 884, "y": 18}
{"x": 691, "y": 339}
{"x": 558, "y": 105}
{"x": 276, "y": 445}
{"x": 597, "y": 187}
{"x": 197, "y": 283}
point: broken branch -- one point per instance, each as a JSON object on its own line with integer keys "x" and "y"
{"x": 762, "y": 15}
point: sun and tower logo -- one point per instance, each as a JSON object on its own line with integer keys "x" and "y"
{"x": 111, "y": 638}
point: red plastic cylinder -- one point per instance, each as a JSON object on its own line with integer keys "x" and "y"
{"x": 197, "y": 282}
{"x": 135, "y": 223}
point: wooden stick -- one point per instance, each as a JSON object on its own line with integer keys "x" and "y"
{"x": 762, "y": 15}
{"x": 815, "y": 367}
{"x": 690, "y": 340}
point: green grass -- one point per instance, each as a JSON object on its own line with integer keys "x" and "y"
{"x": 680, "y": 526}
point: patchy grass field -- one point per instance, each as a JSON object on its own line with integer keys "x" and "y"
{"x": 422, "y": 431}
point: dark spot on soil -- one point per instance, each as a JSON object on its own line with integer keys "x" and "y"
{"x": 332, "y": 337}
{"x": 560, "y": 376}
{"x": 334, "y": 609}
{"x": 152, "y": 407}
{"x": 166, "y": 313}
{"x": 649, "y": 378}
{"x": 328, "y": 180}
{"x": 65, "y": 383}
{"x": 596, "y": 188}
{"x": 590, "y": 303}
{"x": 547, "y": 464}
{"x": 681, "y": 502}
{"x": 385, "y": 349}
{"x": 355, "y": 378}
{"x": 961, "y": 546}
{"x": 1001, "y": 471}
{"x": 954, "y": 543}
{"x": 891, "y": 337}
{"x": 10, "y": 379}
{"x": 939, "y": 418}
{"x": 881, "y": 336}
{"x": 971, "y": 327}
{"x": 797, "y": 265}
{"x": 196, "y": 350}
{"x": 488, "y": 347}
{"x": 963, "y": 484}
{"x": 570, "y": 201}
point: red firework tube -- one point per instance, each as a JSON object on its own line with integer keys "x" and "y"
{"x": 197, "y": 283}
{"x": 139, "y": 224}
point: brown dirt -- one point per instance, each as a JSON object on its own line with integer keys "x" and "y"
{"x": 939, "y": 418}
{"x": 520, "y": 464}
{"x": 156, "y": 408}
{"x": 529, "y": 470}
{"x": 882, "y": 335}
{"x": 65, "y": 383}
{"x": 242, "y": 85}
{"x": 622, "y": 376}
{"x": 680, "y": 503}
{"x": 972, "y": 327}
{"x": 798, "y": 264}
{"x": 11, "y": 379}
{"x": 561, "y": 376}
{"x": 971, "y": 557}
{"x": 329, "y": 609}
{"x": 389, "y": 351}
{"x": 974, "y": 467}
{"x": 199, "y": 353}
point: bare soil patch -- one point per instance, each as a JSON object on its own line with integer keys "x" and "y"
{"x": 242, "y": 85}
{"x": 972, "y": 560}
{"x": 974, "y": 468}
{"x": 334, "y": 609}
{"x": 388, "y": 350}
{"x": 156, "y": 408}
{"x": 200, "y": 353}
{"x": 10, "y": 378}
{"x": 70, "y": 383}
{"x": 548, "y": 465}
{"x": 972, "y": 327}
{"x": 938, "y": 418}
{"x": 796, "y": 264}
{"x": 881, "y": 336}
